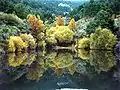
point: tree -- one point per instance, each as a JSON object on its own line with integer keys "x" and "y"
{"x": 60, "y": 21}
{"x": 72, "y": 24}
{"x": 102, "y": 39}
{"x": 102, "y": 19}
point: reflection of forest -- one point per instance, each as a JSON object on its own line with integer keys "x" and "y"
{"x": 36, "y": 64}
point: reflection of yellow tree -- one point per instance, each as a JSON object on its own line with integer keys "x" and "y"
{"x": 62, "y": 60}
{"x": 17, "y": 60}
{"x": 83, "y": 54}
{"x": 102, "y": 60}
{"x": 31, "y": 57}
{"x": 71, "y": 69}
{"x": 35, "y": 71}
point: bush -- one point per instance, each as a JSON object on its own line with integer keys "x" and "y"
{"x": 84, "y": 43}
{"x": 102, "y": 39}
{"x": 64, "y": 34}
{"x": 16, "y": 43}
{"x": 29, "y": 40}
{"x": 60, "y": 33}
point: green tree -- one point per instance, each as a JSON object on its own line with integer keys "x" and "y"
{"x": 102, "y": 19}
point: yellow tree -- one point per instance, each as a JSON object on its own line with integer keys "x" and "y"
{"x": 38, "y": 29}
{"x": 60, "y": 21}
{"x": 72, "y": 24}
{"x": 35, "y": 23}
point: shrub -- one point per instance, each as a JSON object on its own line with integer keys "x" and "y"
{"x": 37, "y": 27}
{"x": 60, "y": 33}
{"x": 64, "y": 34}
{"x": 29, "y": 40}
{"x": 84, "y": 43}
{"x": 35, "y": 24}
{"x": 102, "y": 39}
{"x": 51, "y": 40}
{"x": 16, "y": 43}
{"x": 7, "y": 30}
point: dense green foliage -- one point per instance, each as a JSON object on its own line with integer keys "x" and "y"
{"x": 102, "y": 39}
{"x": 84, "y": 43}
{"x": 102, "y": 19}
{"x": 92, "y": 8}
{"x": 89, "y": 9}
{"x": 10, "y": 18}
{"x": 11, "y": 25}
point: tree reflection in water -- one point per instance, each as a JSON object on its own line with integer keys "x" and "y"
{"x": 88, "y": 66}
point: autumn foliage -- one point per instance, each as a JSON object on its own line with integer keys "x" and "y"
{"x": 35, "y": 23}
{"x": 60, "y": 21}
{"x": 72, "y": 24}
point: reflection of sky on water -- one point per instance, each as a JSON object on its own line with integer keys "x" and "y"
{"x": 55, "y": 70}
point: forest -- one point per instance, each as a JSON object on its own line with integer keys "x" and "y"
{"x": 92, "y": 25}
{"x": 59, "y": 44}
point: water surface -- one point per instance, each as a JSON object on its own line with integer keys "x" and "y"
{"x": 92, "y": 70}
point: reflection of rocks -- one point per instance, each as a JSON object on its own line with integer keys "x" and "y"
{"x": 102, "y": 60}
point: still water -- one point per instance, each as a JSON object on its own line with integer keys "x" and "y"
{"x": 54, "y": 70}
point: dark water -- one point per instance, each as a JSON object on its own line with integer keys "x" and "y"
{"x": 92, "y": 70}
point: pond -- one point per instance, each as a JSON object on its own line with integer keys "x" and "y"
{"x": 53, "y": 70}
